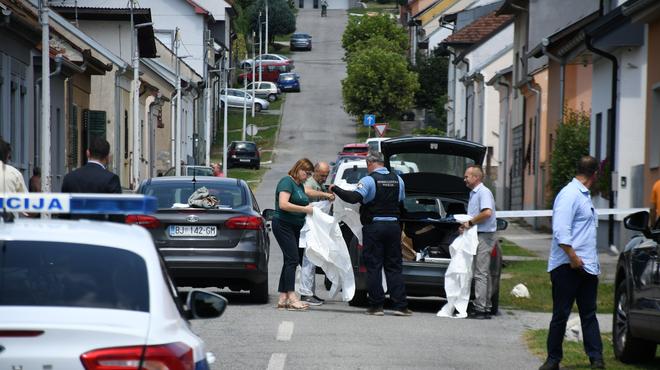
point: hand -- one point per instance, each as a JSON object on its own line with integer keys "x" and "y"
{"x": 576, "y": 262}
{"x": 309, "y": 210}
{"x": 330, "y": 196}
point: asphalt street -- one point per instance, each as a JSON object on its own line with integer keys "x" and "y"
{"x": 335, "y": 335}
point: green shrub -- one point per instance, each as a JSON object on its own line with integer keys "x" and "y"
{"x": 572, "y": 143}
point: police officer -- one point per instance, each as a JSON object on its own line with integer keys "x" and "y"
{"x": 380, "y": 194}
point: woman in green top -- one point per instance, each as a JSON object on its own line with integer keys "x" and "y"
{"x": 291, "y": 207}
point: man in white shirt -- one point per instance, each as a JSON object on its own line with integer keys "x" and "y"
{"x": 481, "y": 208}
{"x": 11, "y": 179}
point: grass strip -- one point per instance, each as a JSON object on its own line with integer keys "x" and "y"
{"x": 574, "y": 356}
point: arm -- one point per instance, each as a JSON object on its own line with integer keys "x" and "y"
{"x": 318, "y": 194}
{"x": 481, "y": 217}
{"x": 285, "y": 205}
{"x": 347, "y": 196}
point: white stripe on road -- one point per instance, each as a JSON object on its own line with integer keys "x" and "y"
{"x": 277, "y": 361}
{"x": 285, "y": 331}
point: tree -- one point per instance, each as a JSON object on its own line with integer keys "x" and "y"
{"x": 572, "y": 143}
{"x": 364, "y": 28}
{"x": 378, "y": 82}
{"x": 433, "y": 72}
{"x": 379, "y": 42}
{"x": 281, "y": 20}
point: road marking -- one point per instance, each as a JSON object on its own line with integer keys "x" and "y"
{"x": 285, "y": 331}
{"x": 277, "y": 361}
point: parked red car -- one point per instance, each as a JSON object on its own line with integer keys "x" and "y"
{"x": 271, "y": 72}
{"x": 355, "y": 149}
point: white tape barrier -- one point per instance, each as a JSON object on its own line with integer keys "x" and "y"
{"x": 548, "y": 212}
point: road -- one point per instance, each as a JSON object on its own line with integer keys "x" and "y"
{"x": 335, "y": 335}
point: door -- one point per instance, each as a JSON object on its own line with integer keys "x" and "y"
{"x": 645, "y": 308}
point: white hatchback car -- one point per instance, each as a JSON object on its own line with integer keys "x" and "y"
{"x": 238, "y": 98}
{"x": 93, "y": 295}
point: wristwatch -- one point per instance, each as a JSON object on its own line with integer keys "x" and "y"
{"x": 470, "y": 223}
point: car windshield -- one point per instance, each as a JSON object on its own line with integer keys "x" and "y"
{"x": 286, "y": 77}
{"x": 168, "y": 193}
{"x": 199, "y": 171}
{"x": 246, "y": 146}
{"x": 36, "y": 273}
{"x": 354, "y": 174}
{"x": 300, "y": 36}
{"x": 446, "y": 164}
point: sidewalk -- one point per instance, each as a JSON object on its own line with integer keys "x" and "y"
{"x": 539, "y": 242}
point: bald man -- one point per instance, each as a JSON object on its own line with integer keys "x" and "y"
{"x": 316, "y": 190}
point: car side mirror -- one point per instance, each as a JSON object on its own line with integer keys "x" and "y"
{"x": 638, "y": 221}
{"x": 205, "y": 305}
{"x": 502, "y": 224}
{"x": 268, "y": 214}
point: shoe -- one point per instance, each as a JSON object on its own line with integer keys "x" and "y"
{"x": 597, "y": 363}
{"x": 282, "y": 305}
{"x": 319, "y": 299}
{"x": 311, "y": 300}
{"x": 297, "y": 306}
{"x": 477, "y": 315}
{"x": 550, "y": 364}
{"x": 375, "y": 311}
{"x": 403, "y": 312}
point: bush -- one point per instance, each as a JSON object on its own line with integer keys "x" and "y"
{"x": 571, "y": 144}
{"x": 364, "y": 28}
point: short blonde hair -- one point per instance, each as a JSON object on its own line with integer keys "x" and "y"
{"x": 302, "y": 164}
{"x": 477, "y": 171}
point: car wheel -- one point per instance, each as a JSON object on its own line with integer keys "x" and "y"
{"x": 359, "y": 299}
{"x": 259, "y": 292}
{"x": 272, "y": 97}
{"x": 257, "y": 107}
{"x": 627, "y": 348}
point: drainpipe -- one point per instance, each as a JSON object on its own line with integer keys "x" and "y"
{"x": 562, "y": 73}
{"x": 173, "y": 103}
{"x": 505, "y": 139}
{"x": 118, "y": 119}
{"x": 612, "y": 127}
{"x": 537, "y": 138}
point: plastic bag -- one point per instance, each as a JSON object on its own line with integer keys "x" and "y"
{"x": 202, "y": 199}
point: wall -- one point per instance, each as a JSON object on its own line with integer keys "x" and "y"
{"x": 549, "y": 17}
{"x": 652, "y": 110}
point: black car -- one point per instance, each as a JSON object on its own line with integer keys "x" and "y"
{"x": 224, "y": 246}
{"x": 300, "y": 41}
{"x": 636, "y": 321}
{"x": 243, "y": 154}
{"x": 433, "y": 191}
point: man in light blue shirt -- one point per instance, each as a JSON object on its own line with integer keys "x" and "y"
{"x": 573, "y": 265}
{"x": 481, "y": 208}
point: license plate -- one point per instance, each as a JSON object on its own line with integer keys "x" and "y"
{"x": 245, "y": 160}
{"x": 188, "y": 230}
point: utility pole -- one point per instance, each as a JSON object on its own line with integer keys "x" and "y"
{"x": 135, "y": 176}
{"x": 177, "y": 123}
{"x": 266, "y": 46}
{"x": 245, "y": 92}
{"x": 254, "y": 62}
{"x": 207, "y": 98}
{"x": 45, "y": 98}
{"x": 261, "y": 42}
{"x": 224, "y": 129}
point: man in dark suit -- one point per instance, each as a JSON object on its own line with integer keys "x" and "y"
{"x": 93, "y": 177}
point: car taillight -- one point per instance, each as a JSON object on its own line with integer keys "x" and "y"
{"x": 172, "y": 356}
{"x": 148, "y": 222}
{"x": 245, "y": 223}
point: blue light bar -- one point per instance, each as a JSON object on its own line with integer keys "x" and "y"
{"x": 78, "y": 203}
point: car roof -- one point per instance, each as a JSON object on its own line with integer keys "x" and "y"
{"x": 243, "y": 142}
{"x": 111, "y": 234}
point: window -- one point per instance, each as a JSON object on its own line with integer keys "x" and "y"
{"x": 168, "y": 193}
{"x": 36, "y": 273}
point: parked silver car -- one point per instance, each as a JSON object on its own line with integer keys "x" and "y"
{"x": 265, "y": 90}
{"x": 237, "y": 98}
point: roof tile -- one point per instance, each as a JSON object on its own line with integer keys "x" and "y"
{"x": 478, "y": 29}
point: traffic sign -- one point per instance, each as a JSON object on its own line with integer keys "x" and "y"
{"x": 380, "y": 129}
{"x": 369, "y": 120}
{"x": 251, "y": 129}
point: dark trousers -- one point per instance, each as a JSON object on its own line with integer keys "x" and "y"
{"x": 382, "y": 248}
{"x": 287, "y": 236}
{"x": 568, "y": 286}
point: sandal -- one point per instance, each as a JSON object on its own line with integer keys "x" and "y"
{"x": 282, "y": 305}
{"x": 297, "y": 306}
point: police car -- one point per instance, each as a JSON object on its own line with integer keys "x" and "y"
{"x": 92, "y": 295}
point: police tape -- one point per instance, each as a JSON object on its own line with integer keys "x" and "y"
{"x": 548, "y": 212}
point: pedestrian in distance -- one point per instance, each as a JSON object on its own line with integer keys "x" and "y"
{"x": 35, "y": 181}
{"x": 654, "y": 211}
{"x": 317, "y": 191}
{"x": 324, "y": 8}
{"x": 381, "y": 194}
{"x": 481, "y": 207}
{"x": 93, "y": 177}
{"x": 573, "y": 265}
{"x": 217, "y": 170}
{"x": 11, "y": 179}
{"x": 291, "y": 207}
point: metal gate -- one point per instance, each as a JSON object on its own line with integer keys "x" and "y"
{"x": 516, "y": 173}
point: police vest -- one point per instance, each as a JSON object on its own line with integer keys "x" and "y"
{"x": 386, "y": 201}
